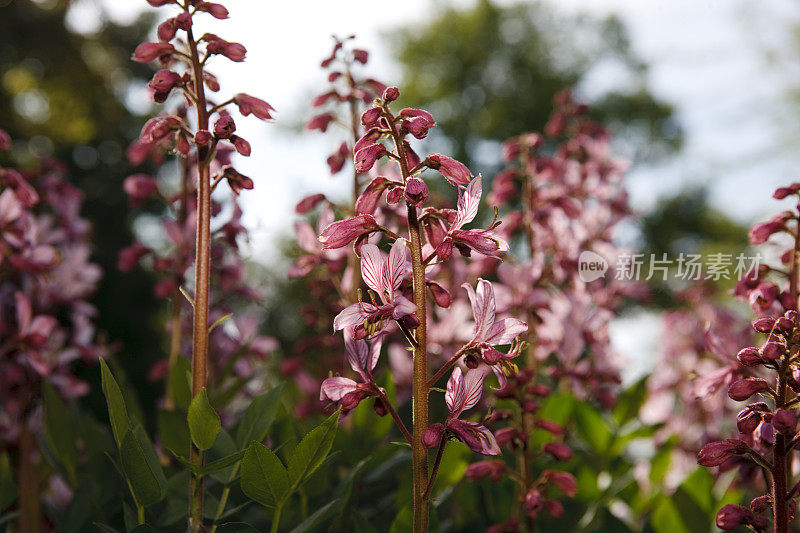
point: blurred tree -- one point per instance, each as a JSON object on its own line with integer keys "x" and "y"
{"x": 61, "y": 95}
{"x": 490, "y": 72}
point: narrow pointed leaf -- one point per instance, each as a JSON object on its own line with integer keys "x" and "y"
{"x": 312, "y": 450}
{"x": 117, "y": 413}
{"x": 258, "y": 417}
{"x": 59, "y": 432}
{"x": 204, "y": 424}
{"x": 142, "y": 477}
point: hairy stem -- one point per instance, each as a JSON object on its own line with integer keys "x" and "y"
{"x": 202, "y": 281}
{"x": 420, "y": 389}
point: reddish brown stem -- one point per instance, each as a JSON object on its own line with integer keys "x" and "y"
{"x": 202, "y": 281}
{"x": 420, "y": 389}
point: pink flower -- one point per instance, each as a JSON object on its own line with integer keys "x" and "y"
{"x": 463, "y": 393}
{"x": 250, "y": 104}
{"x": 365, "y": 157}
{"x": 147, "y": 52}
{"x": 320, "y": 122}
{"x": 488, "y": 332}
{"x": 384, "y": 275}
{"x": 224, "y": 127}
{"x": 482, "y": 241}
{"x": 362, "y": 358}
{"x": 344, "y": 232}
{"x": 162, "y": 84}
{"x": 217, "y": 11}
{"x": 217, "y": 45}
{"x": 716, "y": 453}
{"x": 453, "y": 171}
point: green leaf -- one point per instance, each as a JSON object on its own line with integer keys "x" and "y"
{"x": 322, "y": 516}
{"x": 179, "y": 382}
{"x": 8, "y": 491}
{"x": 172, "y": 430}
{"x": 117, "y": 414}
{"x": 204, "y": 424}
{"x": 312, "y": 450}
{"x": 145, "y": 482}
{"x": 59, "y": 432}
{"x": 223, "y": 463}
{"x": 630, "y": 402}
{"x": 258, "y": 417}
{"x": 592, "y": 427}
{"x": 264, "y": 478}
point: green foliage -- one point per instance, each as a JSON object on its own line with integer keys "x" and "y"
{"x": 264, "y": 478}
{"x": 204, "y": 423}
{"x": 60, "y": 432}
{"x": 8, "y": 490}
{"x": 141, "y": 468}
{"x": 258, "y": 417}
{"x": 312, "y": 450}
{"x": 117, "y": 413}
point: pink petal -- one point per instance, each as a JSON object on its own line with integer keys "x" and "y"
{"x": 473, "y": 386}
{"x": 504, "y": 331}
{"x": 352, "y": 315}
{"x": 454, "y": 393}
{"x": 372, "y": 268}
{"x": 396, "y": 267}
{"x": 334, "y": 388}
{"x": 468, "y": 203}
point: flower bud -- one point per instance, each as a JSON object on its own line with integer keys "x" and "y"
{"x": 320, "y": 122}
{"x": 782, "y": 192}
{"x": 224, "y": 127}
{"x": 761, "y": 504}
{"x": 250, "y": 104}
{"x": 236, "y": 181}
{"x": 784, "y": 421}
{"x": 559, "y": 451}
{"x": 391, "y": 94}
{"x": 416, "y": 192}
{"x": 784, "y": 325}
{"x": 370, "y": 117}
{"x": 360, "y": 56}
{"x": 365, "y": 158}
{"x": 505, "y": 435}
{"x": 530, "y": 406}
{"x": 563, "y": 480}
{"x": 217, "y": 11}
{"x": 744, "y": 388}
{"x": 147, "y": 52}
{"x": 241, "y": 145}
{"x": 139, "y": 186}
{"x": 432, "y": 436}
{"x": 764, "y": 325}
{"x": 549, "y": 426}
{"x": 554, "y": 507}
{"x": 772, "y": 350}
{"x": 394, "y": 195}
{"x": 748, "y": 419}
{"x": 344, "y": 232}
{"x": 409, "y": 321}
{"x": 453, "y": 171}
{"x": 749, "y": 356}
{"x": 202, "y": 137}
{"x": 716, "y": 453}
{"x": 472, "y": 361}
{"x": 732, "y": 516}
{"x": 380, "y": 407}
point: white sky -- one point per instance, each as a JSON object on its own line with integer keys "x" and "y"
{"x": 723, "y": 64}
